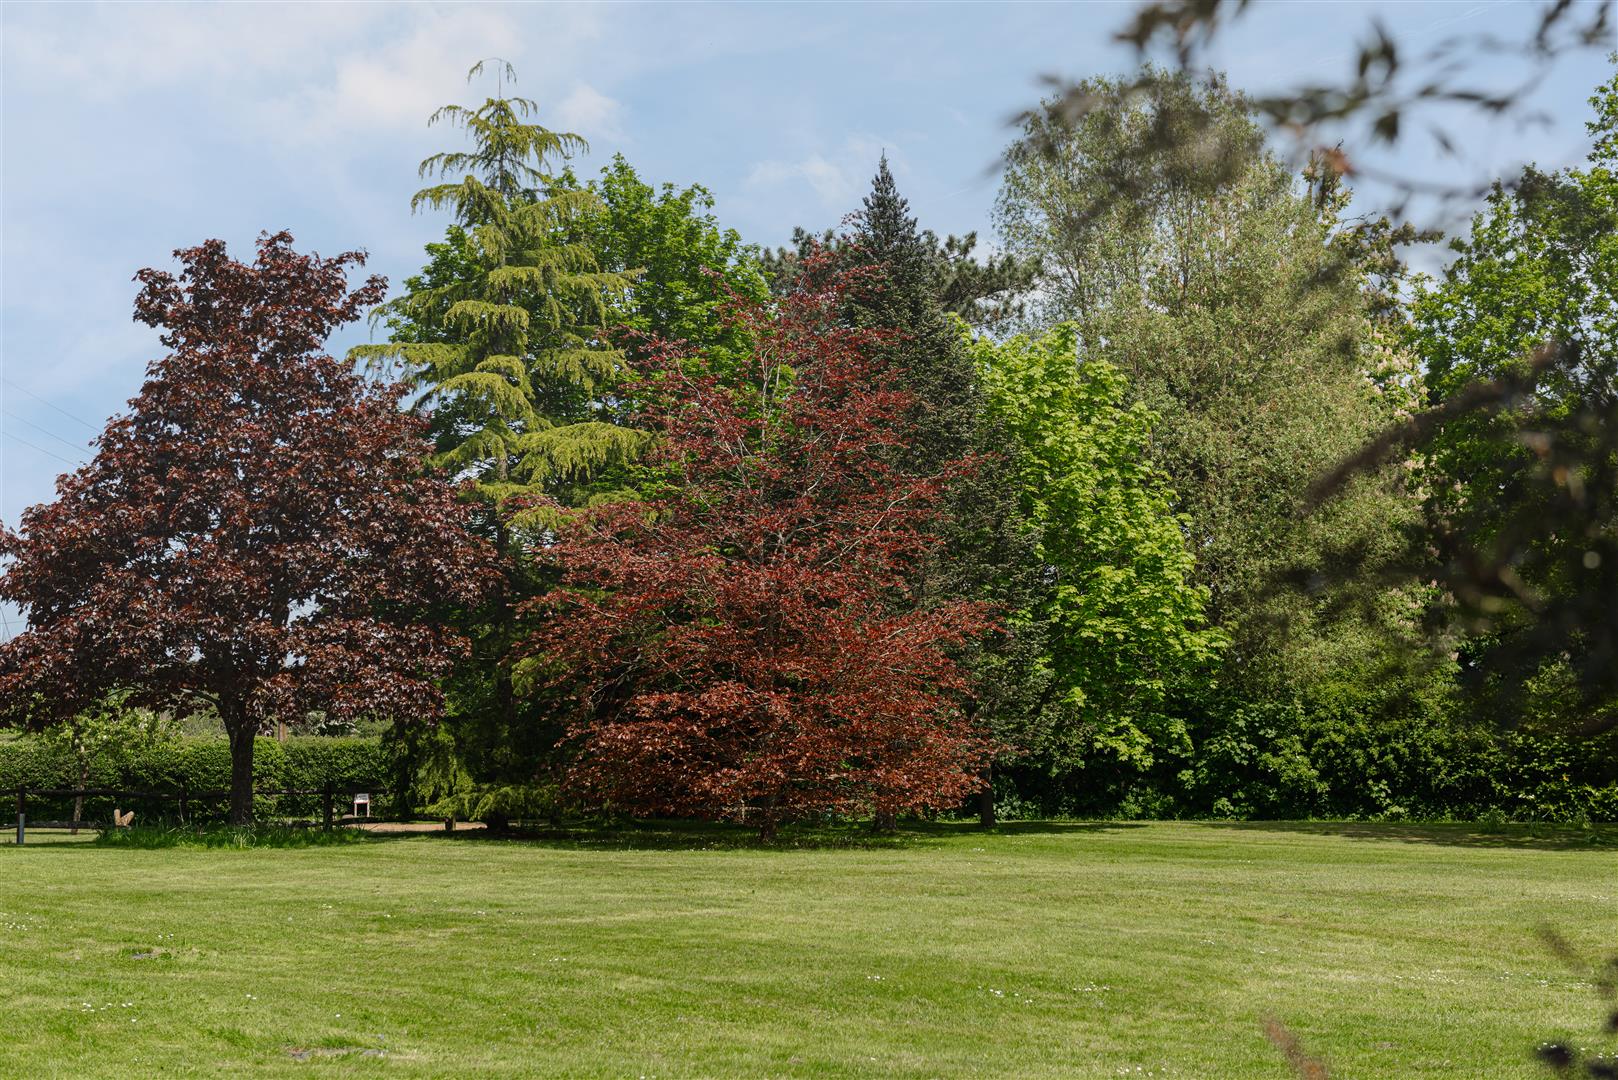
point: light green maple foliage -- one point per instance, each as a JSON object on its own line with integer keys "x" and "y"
{"x": 1193, "y": 261}
{"x": 1119, "y": 615}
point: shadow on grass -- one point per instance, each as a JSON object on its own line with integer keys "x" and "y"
{"x": 648, "y": 835}
{"x": 217, "y": 837}
{"x": 709, "y": 836}
{"x": 654, "y": 835}
{"x": 150, "y": 837}
{"x": 1532, "y": 836}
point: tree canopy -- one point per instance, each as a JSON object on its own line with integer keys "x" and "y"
{"x": 504, "y": 332}
{"x": 1217, "y": 291}
{"x": 1116, "y": 610}
{"x": 1190, "y": 497}
{"x": 739, "y": 645}
{"x": 255, "y": 535}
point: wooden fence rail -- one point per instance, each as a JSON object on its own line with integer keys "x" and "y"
{"x": 184, "y": 796}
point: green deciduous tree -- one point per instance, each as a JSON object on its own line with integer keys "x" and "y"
{"x": 1217, "y": 289}
{"x": 685, "y": 265}
{"x": 1523, "y": 493}
{"x": 1115, "y": 607}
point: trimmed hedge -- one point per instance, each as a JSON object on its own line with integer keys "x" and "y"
{"x": 304, "y": 763}
{"x": 1281, "y": 760}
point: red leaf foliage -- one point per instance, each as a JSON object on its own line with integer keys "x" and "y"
{"x": 748, "y": 643}
{"x": 256, "y": 531}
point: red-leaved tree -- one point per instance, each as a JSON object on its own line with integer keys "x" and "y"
{"x": 746, "y": 644}
{"x": 256, "y": 534}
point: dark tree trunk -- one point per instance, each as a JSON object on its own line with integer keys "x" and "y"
{"x": 241, "y": 731}
{"x": 768, "y": 819}
{"x": 885, "y": 821}
{"x": 84, "y": 779}
{"x": 986, "y": 816}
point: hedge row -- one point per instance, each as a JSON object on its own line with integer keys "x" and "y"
{"x": 1282, "y": 761}
{"x": 198, "y": 764}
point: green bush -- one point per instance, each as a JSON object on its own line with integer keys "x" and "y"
{"x": 1391, "y": 759}
{"x": 1356, "y": 758}
{"x": 1255, "y": 764}
{"x": 199, "y": 765}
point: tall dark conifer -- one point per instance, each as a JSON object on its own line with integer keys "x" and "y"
{"x": 904, "y": 296}
{"x": 986, "y": 555}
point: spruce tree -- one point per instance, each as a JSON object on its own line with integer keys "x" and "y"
{"x": 987, "y": 292}
{"x": 986, "y": 555}
{"x": 904, "y": 296}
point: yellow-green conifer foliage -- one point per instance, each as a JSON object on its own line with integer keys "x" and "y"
{"x": 502, "y": 334}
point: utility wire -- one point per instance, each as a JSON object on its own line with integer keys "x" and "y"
{"x": 18, "y": 438}
{"x": 76, "y": 447}
{"x": 51, "y": 405}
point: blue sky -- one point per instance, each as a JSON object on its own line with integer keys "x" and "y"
{"x": 130, "y": 130}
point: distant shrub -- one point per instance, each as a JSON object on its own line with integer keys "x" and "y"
{"x": 1344, "y": 758}
{"x": 499, "y": 805}
{"x": 302, "y": 763}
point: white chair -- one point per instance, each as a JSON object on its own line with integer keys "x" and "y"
{"x": 362, "y": 799}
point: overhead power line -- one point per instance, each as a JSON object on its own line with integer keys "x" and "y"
{"x": 77, "y": 448}
{"x": 52, "y": 405}
{"x": 14, "y": 437}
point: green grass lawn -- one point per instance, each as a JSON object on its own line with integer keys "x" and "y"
{"x": 1063, "y": 949}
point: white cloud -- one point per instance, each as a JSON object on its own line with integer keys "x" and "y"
{"x": 835, "y": 176}
{"x": 299, "y": 74}
{"x": 588, "y": 112}
{"x": 830, "y": 182}
{"x": 105, "y": 51}
{"x": 393, "y": 85}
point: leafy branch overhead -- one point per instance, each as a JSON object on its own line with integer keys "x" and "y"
{"x": 1391, "y": 89}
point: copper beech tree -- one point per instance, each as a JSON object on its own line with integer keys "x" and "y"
{"x": 255, "y": 534}
{"x": 747, "y": 643}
